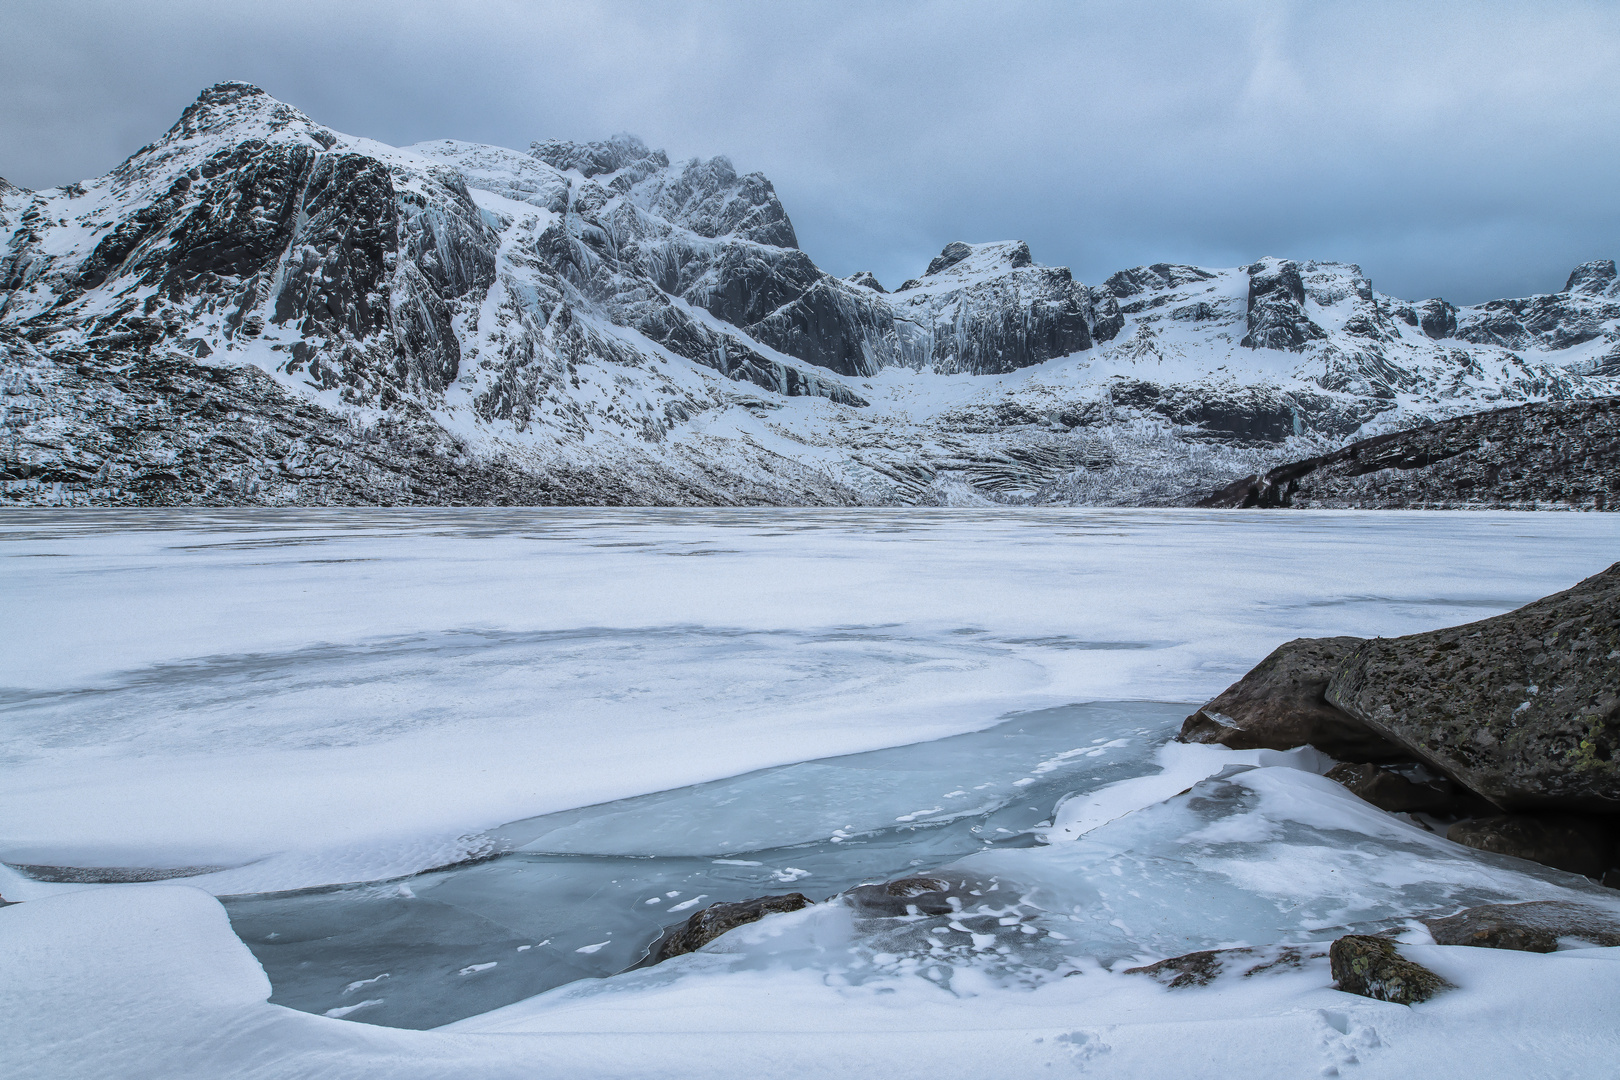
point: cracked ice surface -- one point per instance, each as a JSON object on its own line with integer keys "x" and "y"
{"x": 309, "y": 697}
{"x": 264, "y": 701}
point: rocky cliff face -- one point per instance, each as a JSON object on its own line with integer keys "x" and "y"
{"x": 1563, "y": 454}
{"x": 595, "y": 309}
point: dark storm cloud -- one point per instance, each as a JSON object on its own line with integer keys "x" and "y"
{"x": 1460, "y": 149}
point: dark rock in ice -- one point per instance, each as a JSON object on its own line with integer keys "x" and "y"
{"x": 1523, "y": 708}
{"x": 1581, "y": 845}
{"x": 1374, "y": 968}
{"x": 1193, "y": 969}
{"x": 920, "y": 895}
{"x": 1202, "y": 968}
{"x": 1281, "y": 704}
{"x": 714, "y": 920}
{"x": 1388, "y": 789}
{"x": 1536, "y": 926}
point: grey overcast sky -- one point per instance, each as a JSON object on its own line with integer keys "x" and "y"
{"x": 1460, "y": 149}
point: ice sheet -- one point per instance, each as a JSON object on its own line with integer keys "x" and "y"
{"x": 584, "y": 893}
{"x": 316, "y": 697}
{"x": 82, "y": 971}
{"x": 306, "y": 698}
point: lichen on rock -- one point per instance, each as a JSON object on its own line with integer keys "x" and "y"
{"x": 1374, "y": 968}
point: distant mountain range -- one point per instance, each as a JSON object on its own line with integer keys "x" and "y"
{"x": 259, "y": 310}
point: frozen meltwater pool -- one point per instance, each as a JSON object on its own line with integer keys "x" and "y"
{"x": 584, "y": 892}
{"x": 1071, "y": 838}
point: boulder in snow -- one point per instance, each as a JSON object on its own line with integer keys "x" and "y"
{"x": 1523, "y": 708}
{"x": 1281, "y": 704}
{"x": 714, "y": 920}
{"x": 1373, "y": 967}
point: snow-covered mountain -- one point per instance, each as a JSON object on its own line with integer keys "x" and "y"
{"x": 256, "y": 308}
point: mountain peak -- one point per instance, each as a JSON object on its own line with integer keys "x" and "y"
{"x": 959, "y": 260}
{"x": 244, "y": 106}
{"x": 595, "y": 158}
{"x": 1001, "y": 254}
{"x": 1596, "y": 278}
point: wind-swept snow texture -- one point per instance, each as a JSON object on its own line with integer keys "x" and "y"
{"x": 256, "y": 309}
{"x": 243, "y": 701}
{"x": 311, "y": 697}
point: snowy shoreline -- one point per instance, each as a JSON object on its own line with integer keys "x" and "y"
{"x": 289, "y": 693}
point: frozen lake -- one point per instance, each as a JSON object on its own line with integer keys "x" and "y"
{"x": 439, "y": 761}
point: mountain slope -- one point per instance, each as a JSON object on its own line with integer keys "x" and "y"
{"x": 1562, "y": 454}
{"x": 591, "y": 322}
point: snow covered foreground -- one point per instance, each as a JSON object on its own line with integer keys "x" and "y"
{"x": 302, "y": 698}
{"x": 150, "y": 982}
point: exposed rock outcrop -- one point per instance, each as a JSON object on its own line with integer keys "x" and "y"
{"x": 1373, "y": 967}
{"x": 1276, "y": 313}
{"x": 706, "y": 925}
{"x": 1536, "y": 926}
{"x": 919, "y": 895}
{"x": 1202, "y": 968}
{"x": 987, "y": 309}
{"x": 1282, "y": 704}
{"x": 1520, "y": 713}
{"x": 1523, "y": 708}
{"x": 1395, "y": 790}
{"x": 1581, "y": 845}
{"x": 1554, "y": 453}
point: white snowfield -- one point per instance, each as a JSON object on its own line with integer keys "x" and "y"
{"x": 149, "y": 982}
{"x": 325, "y": 697}
{"x": 304, "y": 697}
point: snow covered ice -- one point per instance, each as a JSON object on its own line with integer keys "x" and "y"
{"x": 460, "y": 767}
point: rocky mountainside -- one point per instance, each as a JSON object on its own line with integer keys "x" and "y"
{"x": 258, "y": 309}
{"x": 1562, "y": 454}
